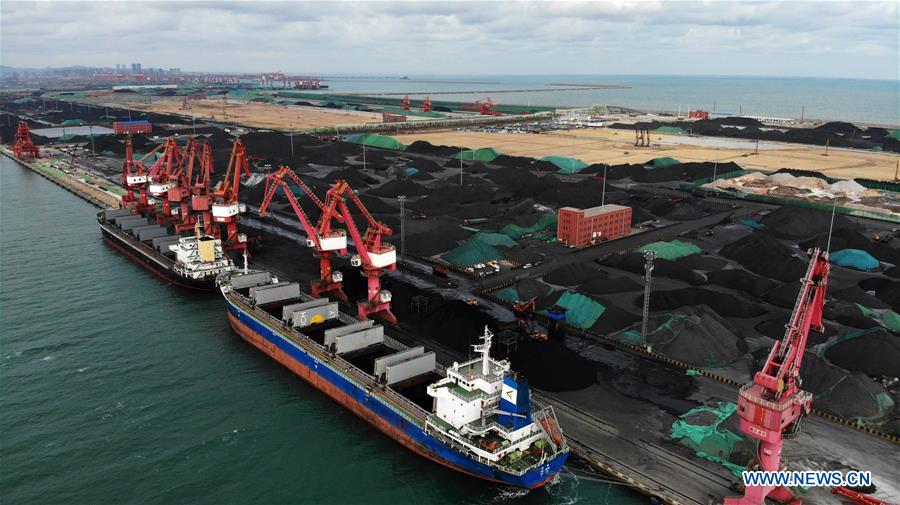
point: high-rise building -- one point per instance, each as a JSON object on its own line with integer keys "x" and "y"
{"x": 135, "y": 68}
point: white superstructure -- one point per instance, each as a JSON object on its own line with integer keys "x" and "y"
{"x": 482, "y": 406}
{"x": 201, "y": 256}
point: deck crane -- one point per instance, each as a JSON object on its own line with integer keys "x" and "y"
{"x": 771, "y": 407}
{"x": 373, "y": 255}
{"x": 134, "y": 177}
{"x": 24, "y": 147}
{"x": 160, "y": 174}
{"x": 326, "y": 242}
{"x": 224, "y": 205}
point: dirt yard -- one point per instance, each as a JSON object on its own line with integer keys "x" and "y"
{"x": 617, "y": 147}
{"x": 260, "y": 115}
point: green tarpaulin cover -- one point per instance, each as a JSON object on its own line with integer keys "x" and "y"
{"x": 581, "y": 311}
{"x": 671, "y": 250}
{"x": 471, "y": 252}
{"x": 854, "y": 258}
{"x": 566, "y": 165}
{"x": 373, "y": 140}
{"x": 485, "y": 154}
{"x": 546, "y": 222}
{"x": 663, "y": 162}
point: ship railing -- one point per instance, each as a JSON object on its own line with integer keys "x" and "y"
{"x": 398, "y": 403}
{"x": 802, "y": 397}
{"x": 554, "y": 435}
{"x": 487, "y": 397}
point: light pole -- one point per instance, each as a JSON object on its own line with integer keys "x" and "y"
{"x": 715, "y": 166}
{"x": 460, "y": 168}
{"x": 603, "y": 197}
{"x": 649, "y": 256}
{"x": 91, "y": 129}
{"x": 402, "y": 200}
{"x": 364, "y": 155}
{"x": 292, "y": 141}
{"x": 193, "y": 125}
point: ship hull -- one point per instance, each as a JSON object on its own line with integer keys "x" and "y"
{"x": 366, "y": 403}
{"x": 145, "y": 256}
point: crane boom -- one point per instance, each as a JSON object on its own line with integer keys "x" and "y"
{"x": 772, "y": 406}
{"x": 326, "y": 242}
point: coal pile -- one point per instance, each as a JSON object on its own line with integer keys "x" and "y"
{"x": 531, "y": 288}
{"x": 613, "y": 319}
{"x": 851, "y": 238}
{"x": 610, "y": 285}
{"x": 775, "y": 329}
{"x": 436, "y": 241}
{"x": 846, "y": 395}
{"x": 800, "y": 222}
{"x": 742, "y": 280}
{"x": 854, "y": 294}
{"x": 457, "y": 324}
{"x": 724, "y": 304}
{"x": 886, "y": 290}
{"x": 424, "y": 147}
{"x": 848, "y": 314}
{"x": 697, "y": 336}
{"x": 634, "y": 262}
{"x": 551, "y": 366}
{"x": 762, "y": 254}
{"x": 875, "y": 353}
{"x": 574, "y": 274}
{"x": 702, "y": 262}
{"x": 394, "y": 188}
{"x": 784, "y": 296}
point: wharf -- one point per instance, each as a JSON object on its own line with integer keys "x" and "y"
{"x": 70, "y": 182}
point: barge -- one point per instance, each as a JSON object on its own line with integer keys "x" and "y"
{"x": 474, "y": 417}
{"x": 191, "y": 262}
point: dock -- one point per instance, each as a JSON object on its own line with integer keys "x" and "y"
{"x": 71, "y": 183}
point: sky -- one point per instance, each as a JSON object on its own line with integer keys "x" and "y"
{"x": 793, "y": 38}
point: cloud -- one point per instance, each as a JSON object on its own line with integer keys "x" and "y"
{"x": 842, "y": 39}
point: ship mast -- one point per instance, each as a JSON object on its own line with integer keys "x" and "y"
{"x": 485, "y": 349}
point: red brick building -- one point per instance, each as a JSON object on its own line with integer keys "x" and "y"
{"x": 137, "y": 126}
{"x": 583, "y": 227}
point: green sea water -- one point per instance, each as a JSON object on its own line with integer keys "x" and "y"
{"x": 117, "y": 388}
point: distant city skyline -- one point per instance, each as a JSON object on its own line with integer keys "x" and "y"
{"x": 773, "y": 39}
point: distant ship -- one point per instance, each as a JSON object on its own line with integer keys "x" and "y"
{"x": 191, "y": 262}
{"x": 474, "y": 417}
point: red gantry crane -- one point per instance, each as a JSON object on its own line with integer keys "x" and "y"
{"x": 771, "y": 407}
{"x": 327, "y": 241}
{"x": 134, "y": 177}
{"x": 373, "y": 255}
{"x": 224, "y": 205}
{"x": 426, "y": 105}
{"x": 160, "y": 175}
{"x": 485, "y": 107}
{"x": 24, "y": 147}
{"x": 192, "y": 194}
{"x": 404, "y": 104}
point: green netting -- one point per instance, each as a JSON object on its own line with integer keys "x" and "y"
{"x": 887, "y": 318}
{"x": 23, "y": 101}
{"x": 581, "y": 311}
{"x": 756, "y": 225}
{"x": 663, "y": 162}
{"x": 509, "y": 294}
{"x": 894, "y": 134}
{"x": 710, "y": 440}
{"x": 691, "y": 372}
{"x": 373, "y": 140}
{"x": 566, "y": 165}
{"x": 409, "y": 172}
{"x": 73, "y": 122}
{"x": 485, "y": 154}
{"x": 416, "y": 113}
{"x": 671, "y": 250}
{"x": 547, "y": 222}
{"x": 471, "y": 252}
{"x": 495, "y": 239}
{"x": 674, "y": 130}
{"x": 854, "y": 258}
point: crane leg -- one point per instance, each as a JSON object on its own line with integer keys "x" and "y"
{"x": 326, "y": 285}
{"x": 378, "y": 302}
{"x": 769, "y": 457}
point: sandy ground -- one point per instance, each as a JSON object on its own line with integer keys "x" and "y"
{"x": 260, "y": 115}
{"x": 617, "y": 147}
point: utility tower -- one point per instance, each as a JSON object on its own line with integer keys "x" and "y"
{"x": 649, "y": 256}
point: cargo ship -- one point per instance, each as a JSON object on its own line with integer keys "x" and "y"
{"x": 475, "y": 417}
{"x": 191, "y": 262}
